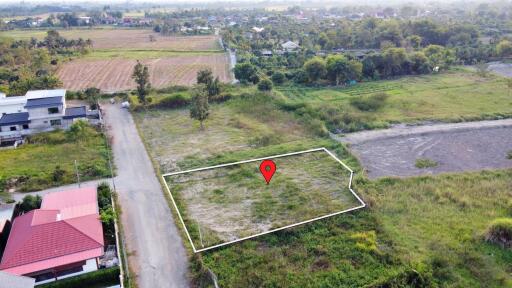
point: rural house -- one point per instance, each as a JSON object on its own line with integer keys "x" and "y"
{"x": 63, "y": 238}
{"x": 37, "y": 111}
{"x": 290, "y": 46}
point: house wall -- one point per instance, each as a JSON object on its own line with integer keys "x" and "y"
{"x": 42, "y": 112}
{"x": 66, "y": 271}
{"x": 41, "y": 120}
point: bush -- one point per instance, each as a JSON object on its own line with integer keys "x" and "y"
{"x": 30, "y": 203}
{"x": 178, "y": 100}
{"x": 53, "y": 138}
{"x": 500, "y": 232}
{"x": 509, "y": 155}
{"x": 265, "y": 85}
{"x": 278, "y": 78}
{"x": 370, "y": 103}
{"x": 222, "y": 97}
{"x": 99, "y": 278}
{"x": 425, "y": 163}
{"x": 58, "y": 174}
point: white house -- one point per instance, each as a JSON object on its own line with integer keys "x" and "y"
{"x": 37, "y": 111}
{"x": 290, "y": 46}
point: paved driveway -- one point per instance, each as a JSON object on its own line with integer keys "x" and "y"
{"x": 156, "y": 250}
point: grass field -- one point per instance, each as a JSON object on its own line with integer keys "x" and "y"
{"x": 452, "y": 96}
{"x": 229, "y": 203}
{"x": 417, "y": 232}
{"x": 34, "y": 165}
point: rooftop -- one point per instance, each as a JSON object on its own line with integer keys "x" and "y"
{"x": 34, "y": 94}
{"x": 14, "y": 119}
{"x": 65, "y": 230}
{"x": 75, "y": 112}
{"x": 44, "y": 102}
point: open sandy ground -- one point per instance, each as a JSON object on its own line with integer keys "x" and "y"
{"x": 455, "y": 147}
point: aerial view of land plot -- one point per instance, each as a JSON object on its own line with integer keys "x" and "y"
{"x": 229, "y": 203}
{"x": 281, "y": 144}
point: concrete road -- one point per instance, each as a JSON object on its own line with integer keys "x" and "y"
{"x": 18, "y": 196}
{"x": 156, "y": 251}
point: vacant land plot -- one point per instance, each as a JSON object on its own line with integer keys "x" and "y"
{"x": 451, "y": 96}
{"x": 115, "y": 74}
{"x": 128, "y": 39}
{"x": 51, "y": 162}
{"x": 229, "y": 203}
{"x": 455, "y": 150}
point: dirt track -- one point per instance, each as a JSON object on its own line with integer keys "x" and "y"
{"x": 456, "y": 147}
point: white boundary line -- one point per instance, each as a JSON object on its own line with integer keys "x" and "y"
{"x": 273, "y": 230}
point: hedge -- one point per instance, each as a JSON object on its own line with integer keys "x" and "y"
{"x": 100, "y": 278}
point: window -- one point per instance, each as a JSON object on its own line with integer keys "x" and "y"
{"x": 55, "y": 122}
{"x": 25, "y": 126}
{"x": 53, "y": 110}
{"x": 13, "y": 128}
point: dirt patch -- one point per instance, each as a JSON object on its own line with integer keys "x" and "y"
{"x": 503, "y": 69}
{"x": 233, "y": 202}
{"x": 115, "y": 74}
{"x": 391, "y": 154}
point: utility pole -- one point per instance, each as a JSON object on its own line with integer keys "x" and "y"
{"x": 77, "y": 175}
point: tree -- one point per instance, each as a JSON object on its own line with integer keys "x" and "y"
{"x": 199, "y": 104}
{"x": 30, "y": 203}
{"x": 481, "y": 69}
{"x": 265, "y": 85}
{"x": 246, "y": 73}
{"x": 205, "y": 77}
{"x": 339, "y": 69}
{"x": 278, "y": 77}
{"x": 93, "y": 96}
{"x": 315, "y": 68}
{"x": 141, "y": 77}
{"x": 504, "y": 48}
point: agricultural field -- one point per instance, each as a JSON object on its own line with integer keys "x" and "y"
{"x": 49, "y": 160}
{"x": 119, "y": 38}
{"x": 229, "y": 203}
{"x": 172, "y": 60}
{"x": 114, "y": 74}
{"x": 416, "y": 232}
{"x": 451, "y": 96}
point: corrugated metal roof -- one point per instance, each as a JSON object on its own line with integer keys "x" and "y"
{"x": 65, "y": 230}
{"x": 14, "y": 119}
{"x": 43, "y": 102}
{"x": 75, "y": 112}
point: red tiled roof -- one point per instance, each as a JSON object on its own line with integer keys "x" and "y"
{"x": 42, "y": 239}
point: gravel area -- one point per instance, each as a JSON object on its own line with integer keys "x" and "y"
{"x": 455, "y": 147}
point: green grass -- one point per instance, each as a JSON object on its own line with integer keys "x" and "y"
{"x": 416, "y": 232}
{"x": 452, "y": 96}
{"x": 33, "y": 164}
{"x": 425, "y": 163}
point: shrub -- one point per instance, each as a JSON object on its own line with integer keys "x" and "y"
{"x": 30, "y": 203}
{"x": 265, "y": 85}
{"x": 222, "y": 97}
{"x": 54, "y": 138}
{"x": 173, "y": 101}
{"x": 278, "y": 78}
{"x": 509, "y": 155}
{"x": 500, "y": 232}
{"x": 425, "y": 163}
{"x": 370, "y": 103}
{"x": 99, "y": 278}
{"x": 58, "y": 174}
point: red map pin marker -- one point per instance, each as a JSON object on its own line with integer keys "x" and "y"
{"x": 267, "y": 169}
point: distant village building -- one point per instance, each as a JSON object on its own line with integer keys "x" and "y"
{"x": 290, "y": 46}
{"x": 258, "y": 29}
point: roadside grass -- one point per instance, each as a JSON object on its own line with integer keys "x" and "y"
{"x": 456, "y": 95}
{"x": 234, "y": 202}
{"x": 441, "y": 221}
{"x": 31, "y": 167}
